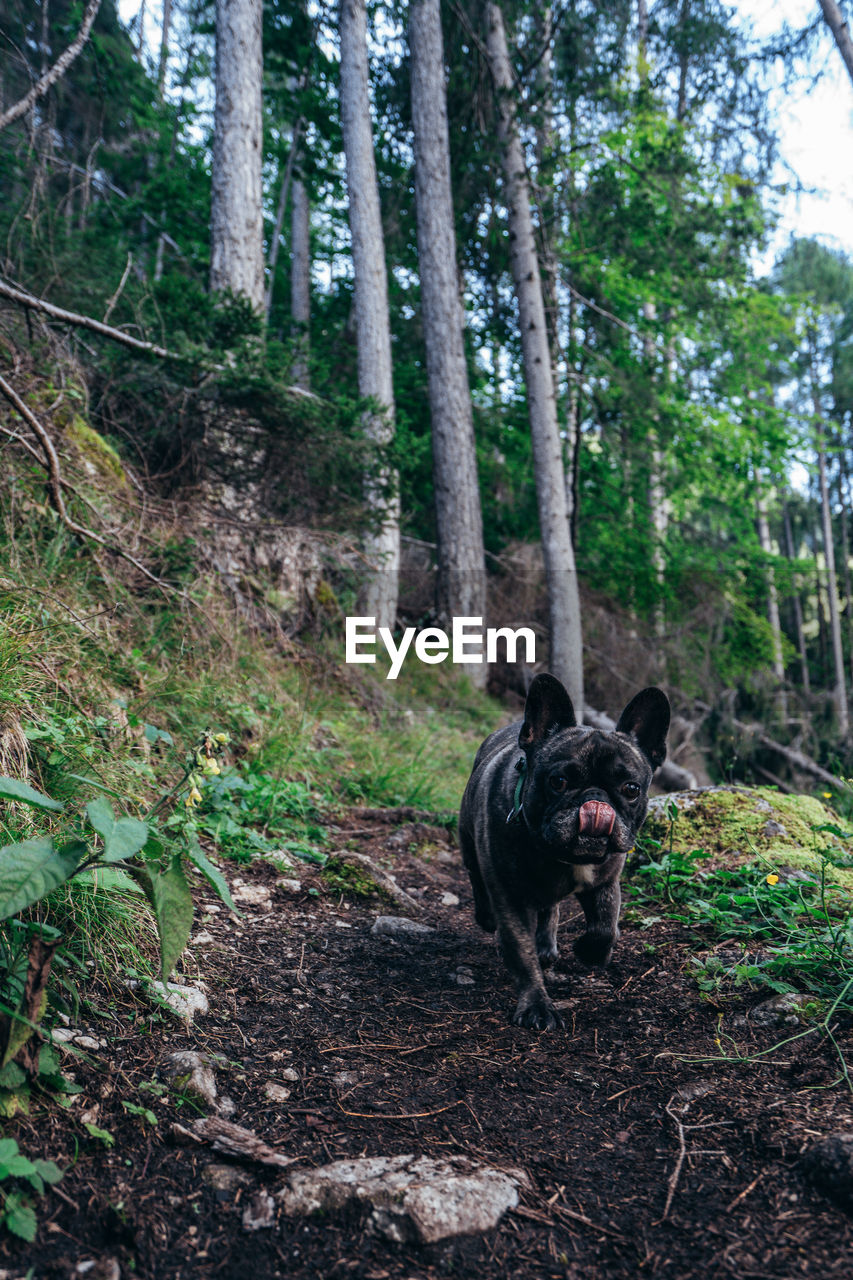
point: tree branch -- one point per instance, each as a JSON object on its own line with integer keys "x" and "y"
{"x": 63, "y": 62}
{"x": 86, "y": 322}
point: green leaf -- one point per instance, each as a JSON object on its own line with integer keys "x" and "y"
{"x": 30, "y": 870}
{"x": 12, "y": 1076}
{"x": 122, "y": 837}
{"x": 19, "y": 1218}
{"x": 12, "y": 789}
{"x": 171, "y": 900}
{"x": 49, "y": 1171}
{"x": 8, "y": 1147}
{"x": 211, "y": 873}
{"x": 103, "y": 1135}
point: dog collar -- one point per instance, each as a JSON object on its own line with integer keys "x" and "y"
{"x": 515, "y": 812}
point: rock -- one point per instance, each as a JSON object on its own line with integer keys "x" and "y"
{"x": 398, "y": 927}
{"x": 98, "y": 1269}
{"x": 290, "y": 1073}
{"x": 225, "y": 1179}
{"x": 227, "y": 1106}
{"x": 288, "y": 885}
{"x": 739, "y": 825}
{"x": 449, "y": 900}
{"x": 462, "y": 976}
{"x": 259, "y": 1213}
{"x": 202, "y": 939}
{"x": 68, "y": 1035}
{"x": 251, "y": 895}
{"x": 412, "y": 1198}
{"x": 191, "y": 1073}
{"x": 185, "y": 1001}
{"x": 828, "y": 1164}
{"x": 276, "y": 1092}
{"x": 785, "y": 1008}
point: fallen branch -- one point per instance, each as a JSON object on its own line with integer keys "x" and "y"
{"x": 50, "y": 77}
{"x": 56, "y": 486}
{"x": 670, "y": 775}
{"x": 86, "y": 322}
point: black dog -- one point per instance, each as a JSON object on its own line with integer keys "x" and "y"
{"x": 557, "y": 819}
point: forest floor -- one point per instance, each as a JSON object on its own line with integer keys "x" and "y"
{"x": 393, "y": 1046}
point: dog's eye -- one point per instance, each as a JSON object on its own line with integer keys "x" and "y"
{"x": 630, "y": 790}
{"x": 558, "y": 783}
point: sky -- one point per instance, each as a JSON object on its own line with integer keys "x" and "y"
{"x": 816, "y": 133}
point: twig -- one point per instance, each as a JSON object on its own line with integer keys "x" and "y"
{"x": 122, "y": 282}
{"x": 743, "y": 1194}
{"x": 63, "y": 62}
{"x": 55, "y": 484}
{"x": 406, "y": 1115}
{"x": 86, "y": 322}
{"x": 676, "y": 1173}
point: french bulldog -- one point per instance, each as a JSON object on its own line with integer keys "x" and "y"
{"x": 553, "y": 808}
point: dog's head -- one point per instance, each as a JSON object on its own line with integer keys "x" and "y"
{"x": 587, "y": 790}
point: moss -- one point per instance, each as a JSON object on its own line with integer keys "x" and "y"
{"x": 343, "y": 877}
{"x": 736, "y": 825}
{"x": 95, "y": 449}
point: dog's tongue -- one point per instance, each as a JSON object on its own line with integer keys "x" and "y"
{"x": 596, "y": 818}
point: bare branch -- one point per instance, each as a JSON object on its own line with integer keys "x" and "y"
{"x": 86, "y": 322}
{"x": 63, "y": 62}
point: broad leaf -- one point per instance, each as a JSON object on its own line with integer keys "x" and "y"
{"x": 31, "y": 869}
{"x": 19, "y": 1218}
{"x": 211, "y": 873}
{"x": 12, "y": 789}
{"x": 122, "y": 837}
{"x": 171, "y": 901}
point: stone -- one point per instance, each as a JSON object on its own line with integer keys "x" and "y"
{"x": 783, "y": 1009}
{"x": 449, "y": 900}
{"x": 276, "y": 1092}
{"x": 250, "y": 895}
{"x": 191, "y": 1073}
{"x": 398, "y": 927}
{"x": 828, "y": 1164}
{"x": 98, "y": 1269}
{"x": 202, "y": 939}
{"x": 289, "y": 1073}
{"x": 185, "y": 1001}
{"x": 288, "y": 885}
{"x": 225, "y": 1179}
{"x": 411, "y": 1197}
{"x": 259, "y": 1213}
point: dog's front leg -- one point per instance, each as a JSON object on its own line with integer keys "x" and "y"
{"x": 601, "y": 911}
{"x": 517, "y": 945}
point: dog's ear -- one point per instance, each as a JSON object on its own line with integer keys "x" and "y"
{"x": 548, "y": 707}
{"x": 646, "y": 719}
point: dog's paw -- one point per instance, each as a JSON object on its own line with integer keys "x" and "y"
{"x": 537, "y": 1013}
{"x": 593, "y": 950}
{"x": 547, "y": 952}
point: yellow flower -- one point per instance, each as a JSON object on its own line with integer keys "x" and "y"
{"x": 772, "y": 879}
{"x": 193, "y": 798}
{"x": 221, "y": 738}
{"x": 827, "y": 795}
{"x": 211, "y": 766}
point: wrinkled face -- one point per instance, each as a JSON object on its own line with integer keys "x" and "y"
{"x": 587, "y": 793}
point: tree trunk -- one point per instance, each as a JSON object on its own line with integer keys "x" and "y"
{"x": 772, "y": 600}
{"x": 798, "y": 608}
{"x": 164, "y": 48}
{"x": 300, "y": 282}
{"x": 461, "y": 560}
{"x": 236, "y": 216}
{"x": 560, "y": 571}
{"x": 373, "y": 326}
{"x": 839, "y": 694}
{"x": 834, "y": 19}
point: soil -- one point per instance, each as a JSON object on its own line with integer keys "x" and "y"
{"x": 392, "y": 1046}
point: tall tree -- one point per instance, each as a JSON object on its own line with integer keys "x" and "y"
{"x": 548, "y": 462}
{"x": 300, "y": 280}
{"x": 461, "y": 562}
{"x": 373, "y": 328}
{"x": 236, "y": 215}
{"x": 837, "y": 24}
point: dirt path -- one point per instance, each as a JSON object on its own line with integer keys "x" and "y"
{"x": 393, "y": 1047}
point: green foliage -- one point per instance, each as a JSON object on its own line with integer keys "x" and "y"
{"x": 16, "y": 1206}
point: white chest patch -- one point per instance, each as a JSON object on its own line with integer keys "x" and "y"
{"x": 584, "y": 875}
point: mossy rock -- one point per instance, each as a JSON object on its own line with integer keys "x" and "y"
{"x": 95, "y": 450}
{"x": 736, "y": 825}
{"x": 344, "y": 877}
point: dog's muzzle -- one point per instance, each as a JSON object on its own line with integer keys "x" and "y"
{"x": 596, "y": 818}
